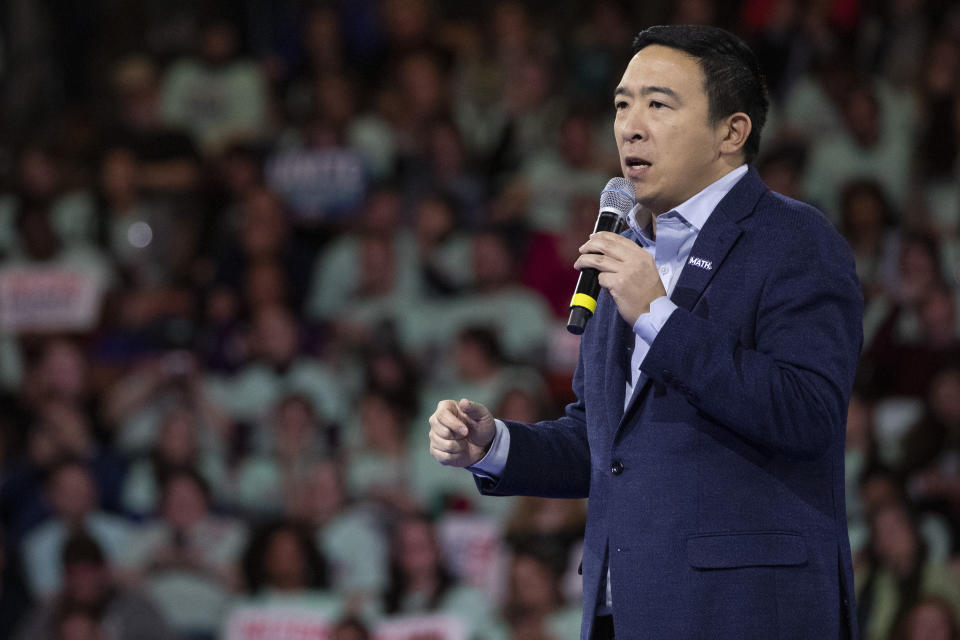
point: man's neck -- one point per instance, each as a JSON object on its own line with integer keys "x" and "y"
{"x": 646, "y": 217}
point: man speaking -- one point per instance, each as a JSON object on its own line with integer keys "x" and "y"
{"x": 712, "y": 383}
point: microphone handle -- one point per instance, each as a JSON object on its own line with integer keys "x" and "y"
{"x": 584, "y": 301}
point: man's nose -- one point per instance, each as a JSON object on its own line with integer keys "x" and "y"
{"x": 634, "y": 125}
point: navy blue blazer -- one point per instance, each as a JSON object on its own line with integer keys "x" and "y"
{"x": 717, "y": 498}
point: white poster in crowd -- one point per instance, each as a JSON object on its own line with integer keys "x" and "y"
{"x": 276, "y": 623}
{"x": 48, "y": 299}
{"x": 472, "y": 549}
{"x": 437, "y": 627}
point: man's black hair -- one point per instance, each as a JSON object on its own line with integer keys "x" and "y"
{"x": 734, "y": 82}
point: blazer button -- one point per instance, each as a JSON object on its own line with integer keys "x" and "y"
{"x": 616, "y": 467}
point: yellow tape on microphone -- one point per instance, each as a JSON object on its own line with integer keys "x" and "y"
{"x": 585, "y": 301}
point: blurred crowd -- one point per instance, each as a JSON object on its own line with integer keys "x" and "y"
{"x": 246, "y": 247}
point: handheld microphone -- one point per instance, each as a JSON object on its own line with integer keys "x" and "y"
{"x": 616, "y": 201}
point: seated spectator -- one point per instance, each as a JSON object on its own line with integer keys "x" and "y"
{"x": 932, "y": 618}
{"x": 282, "y": 567}
{"x": 156, "y": 389}
{"x": 377, "y": 461}
{"x": 548, "y": 527}
{"x": 177, "y": 447}
{"x": 520, "y": 316}
{"x": 874, "y": 143}
{"x": 443, "y": 249}
{"x": 216, "y": 96}
{"x": 286, "y": 448}
{"x": 262, "y": 235}
{"x": 89, "y": 584}
{"x": 868, "y": 222}
{"x": 40, "y": 184}
{"x": 73, "y": 499}
{"x": 187, "y": 558}
{"x": 420, "y": 583}
{"x": 548, "y": 263}
{"x": 348, "y": 534}
{"x": 277, "y": 367}
{"x": 555, "y": 177}
{"x": 931, "y": 449}
{"x": 322, "y": 179}
{"x": 534, "y": 600}
{"x": 898, "y": 571}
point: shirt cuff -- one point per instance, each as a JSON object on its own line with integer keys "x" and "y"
{"x": 648, "y": 325}
{"x": 491, "y": 466}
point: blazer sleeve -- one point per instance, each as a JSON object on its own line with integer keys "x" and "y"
{"x": 550, "y": 459}
{"x": 789, "y": 392}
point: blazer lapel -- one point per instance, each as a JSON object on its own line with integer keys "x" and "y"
{"x": 617, "y": 367}
{"x": 711, "y": 247}
{"x": 715, "y": 240}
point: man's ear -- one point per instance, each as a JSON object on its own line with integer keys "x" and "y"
{"x": 735, "y": 129}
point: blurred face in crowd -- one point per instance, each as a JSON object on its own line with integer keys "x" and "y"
{"x": 118, "y": 173}
{"x": 519, "y": 405}
{"x": 86, "y": 582}
{"x": 894, "y": 539}
{"x": 421, "y": 84}
{"x": 863, "y": 214}
{"x": 576, "y": 141}
{"x": 382, "y": 425}
{"x": 378, "y": 265}
{"x": 72, "y": 493}
{"x": 39, "y": 174}
{"x": 381, "y": 213}
{"x": 416, "y": 548}
{"x": 276, "y": 334}
{"x": 668, "y": 147}
{"x": 265, "y": 283}
{"x": 79, "y": 626}
{"x": 858, "y": 423}
{"x": 945, "y": 397}
{"x": 405, "y": 20}
{"x": 533, "y": 584}
{"x": 62, "y": 371}
{"x": 492, "y": 262}
{"x": 284, "y": 561}
{"x": 937, "y": 315}
{"x": 435, "y": 221}
{"x": 918, "y": 271}
{"x": 264, "y": 227}
{"x": 184, "y": 503}
{"x": 218, "y": 42}
{"x": 295, "y": 427}
{"x": 930, "y": 620}
{"x": 177, "y": 443}
{"x": 862, "y": 115}
{"x": 317, "y": 496}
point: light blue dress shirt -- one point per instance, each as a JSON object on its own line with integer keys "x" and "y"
{"x": 676, "y": 232}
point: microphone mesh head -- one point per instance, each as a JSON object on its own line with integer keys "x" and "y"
{"x": 618, "y": 196}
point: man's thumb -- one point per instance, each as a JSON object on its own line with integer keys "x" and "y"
{"x": 472, "y": 409}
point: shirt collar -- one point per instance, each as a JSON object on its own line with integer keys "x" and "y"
{"x": 697, "y": 208}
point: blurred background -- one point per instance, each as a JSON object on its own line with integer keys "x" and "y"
{"x": 246, "y": 247}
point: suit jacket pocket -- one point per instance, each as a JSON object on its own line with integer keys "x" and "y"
{"x": 746, "y": 549}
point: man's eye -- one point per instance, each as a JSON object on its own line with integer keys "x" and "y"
{"x": 620, "y": 104}
{"x": 657, "y": 105}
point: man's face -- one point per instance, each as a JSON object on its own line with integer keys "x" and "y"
{"x": 668, "y": 148}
